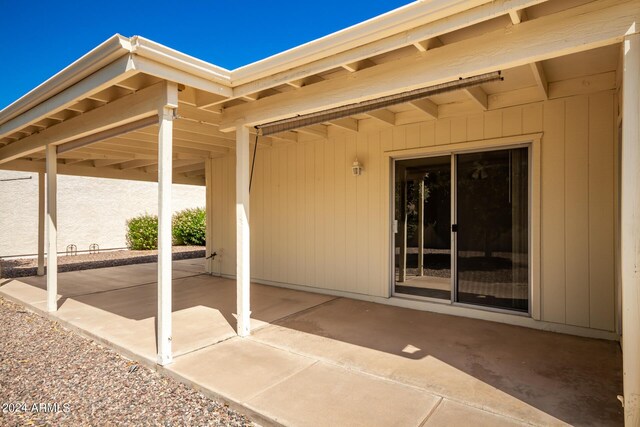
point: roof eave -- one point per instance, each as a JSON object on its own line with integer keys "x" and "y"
{"x": 105, "y": 53}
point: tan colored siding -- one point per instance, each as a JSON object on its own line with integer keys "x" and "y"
{"x": 314, "y": 224}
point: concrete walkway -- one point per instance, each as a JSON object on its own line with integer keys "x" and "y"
{"x": 320, "y": 360}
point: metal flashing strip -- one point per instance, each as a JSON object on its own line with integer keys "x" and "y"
{"x": 310, "y": 119}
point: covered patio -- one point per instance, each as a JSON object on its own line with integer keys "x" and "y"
{"x": 301, "y": 154}
{"x": 319, "y": 360}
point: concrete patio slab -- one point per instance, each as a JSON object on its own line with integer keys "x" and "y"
{"x": 320, "y": 360}
{"x": 525, "y": 374}
{"x": 239, "y": 369}
{"x": 326, "y": 395}
{"x": 119, "y": 306}
{"x": 449, "y": 413}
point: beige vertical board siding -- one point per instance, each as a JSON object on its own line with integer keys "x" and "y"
{"x": 459, "y": 129}
{"x": 512, "y": 121}
{"x": 329, "y": 210}
{"x": 352, "y": 218}
{"x": 443, "y": 131}
{"x": 374, "y": 281}
{"x": 340, "y": 215}
{"x": 427, "y": 134}
{"x": 601, "y": 211}
{"x": 290, "y": 202}
{"x": 493, "y": 124}
{"x": 576, "y": 207}
{"x": 300, "y": 219}
{"x": 553, "y": 214}
{"x": 267, "y": 249}
{"x": 362, "y": 211}
{"x": 315, "y": 224}
{"x": 532, "y": 118}
{"x": 413, "y": 135}
{"x": 320, "y": 216}
{"x": 475, "y": 127}
{"x": 283, "y": 206}
{"x": 399, "y": 137}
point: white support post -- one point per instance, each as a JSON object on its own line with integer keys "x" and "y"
{"x": 243, "y": 272}
{"x": 166, "y": 115}
{"x": 41, "y": 215}
{"x": 52, "y": 228}
{"x": 630, "y": 229}
{"x": 208, "y": 171}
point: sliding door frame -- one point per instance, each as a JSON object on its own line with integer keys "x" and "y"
{"x": 532, "y": 142}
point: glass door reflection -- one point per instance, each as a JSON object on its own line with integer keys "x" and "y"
{"x": 423, "y": 227}
{"x": 493, "y": 229}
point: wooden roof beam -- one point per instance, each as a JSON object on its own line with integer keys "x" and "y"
{"x": 346, "y": 123}
{"x": 133, "y": 164}
{"x": 479, "y": 96}
{"x": 358, "y": 65}
{"x": 426, "y": 106}
{"x": 283, "y": 136}
{"x": 384, "y": 116}
{"x": 425, "y": 45}
{"x": 305, "y": 81}
{"x": 541, "y": 79}
{"x": 107, "y": 162}
{"x": 315, "y": 130}
{"x": 517, "y": 16}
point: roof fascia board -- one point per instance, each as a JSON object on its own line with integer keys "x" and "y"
{"x": 385, "y": 25}
{"x": 161, "y": 70}
{"x": 97, "y": 58}
{"x": 118, "y": 70}
{"x": 432, "y": 29}
{"x": 180, "y": 61}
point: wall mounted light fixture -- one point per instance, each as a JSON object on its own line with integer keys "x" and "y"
{"x": 356, "y": 168}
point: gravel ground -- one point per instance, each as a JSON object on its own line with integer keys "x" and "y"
{"x": 43, "y": 363}
{"x": 24, "y": 267}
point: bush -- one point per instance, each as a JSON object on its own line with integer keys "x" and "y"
{"x": 142, "y": 232}
{"x": 189, "y": 227}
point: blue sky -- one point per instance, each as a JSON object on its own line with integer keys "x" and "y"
{"x": 47, "y": 36}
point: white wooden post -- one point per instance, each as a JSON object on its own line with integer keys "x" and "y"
{"x": 243, "y": 272}
{"x": 208, "y": 171}
{"x": 166, "y": 115}
{"x": 52, "y": 228}
{"x": 41, "y": 215}
{"x": 421, "y": 227}
{"x": 630, "y": 229}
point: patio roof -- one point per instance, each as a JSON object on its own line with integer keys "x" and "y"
{"x": 377, "y": 57}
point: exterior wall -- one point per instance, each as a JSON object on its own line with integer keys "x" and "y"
{"x": 314, "y": 224}
{"x": 90, "y": 210}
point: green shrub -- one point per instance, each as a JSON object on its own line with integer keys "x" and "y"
{"x": 142, "y": 232}
{"x": 189, "y": 227}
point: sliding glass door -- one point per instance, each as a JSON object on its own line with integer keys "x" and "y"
{"x": 476, "y": 203}
{"x": 423, "y": 223}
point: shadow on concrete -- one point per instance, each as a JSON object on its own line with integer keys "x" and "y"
{"x": 573, "y": 379}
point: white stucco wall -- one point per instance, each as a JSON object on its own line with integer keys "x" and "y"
{"x": 90, "y": 210}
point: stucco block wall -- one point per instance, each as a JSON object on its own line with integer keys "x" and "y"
{"x": 314, "y": 224}
{"x": 90, "y": 210}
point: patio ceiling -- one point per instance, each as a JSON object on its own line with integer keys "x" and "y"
{"x": 209, "y": 96}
